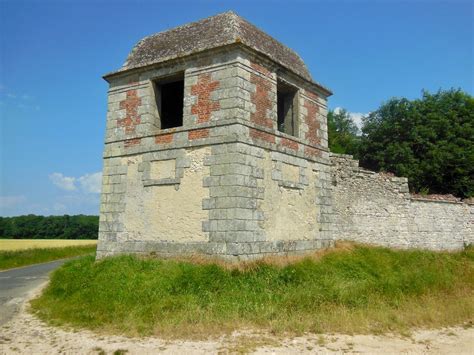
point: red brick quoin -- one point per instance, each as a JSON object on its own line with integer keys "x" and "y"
{"x": 311, "y": 120}
{"x": 164, "y": 138}
{"x": 311, "y": 95}
{"x": 198, "y": 134}
{"x": 130, "y": 104}
{"x": 204, "y": 106}
{"x": 289, "y": 143}
{"x": 132, "y": 142}
{"x": 312, "y": 152}
{"x": 256, "y": 134}
{"x": 260, "y": 97}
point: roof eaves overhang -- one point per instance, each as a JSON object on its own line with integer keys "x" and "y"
{"x": 122, "y": 72}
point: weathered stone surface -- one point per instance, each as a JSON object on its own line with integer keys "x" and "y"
{"x": 227, "y": 182}
{"x": 167, "y": 202}
{"x": 216, "y": 31}
{"x": 377, "y": 208}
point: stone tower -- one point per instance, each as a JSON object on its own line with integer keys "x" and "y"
{"x": 216, "y": 143}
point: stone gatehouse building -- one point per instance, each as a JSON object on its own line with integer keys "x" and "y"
{"x": 216, "y": 143}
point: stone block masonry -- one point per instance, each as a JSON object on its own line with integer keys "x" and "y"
{"x": 195, "y": 162}
{"x": 377, "y": 208}
{"x": 226, "y": 182}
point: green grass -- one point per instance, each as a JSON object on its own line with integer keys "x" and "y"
{"x": 17, "y": 258}
{"x": 354, "y": 289}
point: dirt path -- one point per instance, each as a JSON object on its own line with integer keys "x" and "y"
{"x": 17, "y": 283}
{"x": 25, "y": 334}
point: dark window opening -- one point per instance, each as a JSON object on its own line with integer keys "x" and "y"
{"x": 170, "y": 97}
{"x": 287, "y": 109}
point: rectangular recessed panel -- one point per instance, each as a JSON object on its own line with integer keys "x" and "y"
{"x": 163, "y": 169}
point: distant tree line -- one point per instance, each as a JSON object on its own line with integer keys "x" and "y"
{"x": 429, "y": 140}
{"x": 50, "y": 227}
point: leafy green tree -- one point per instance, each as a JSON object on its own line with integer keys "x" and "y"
{"x": 342, "y": 133}
{"x": 51, "y": 227}
{"x": 429, "y": 140}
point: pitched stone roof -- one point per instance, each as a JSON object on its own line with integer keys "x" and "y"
{"x": 212, "y": 32}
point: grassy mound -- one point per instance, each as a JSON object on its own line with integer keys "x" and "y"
{"x": 351, "y": 289}
{"x": 17, "y": 258}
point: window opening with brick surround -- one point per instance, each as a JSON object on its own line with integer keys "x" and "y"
{"x": 169, "y": 94}
{"x": 287, "y": 108}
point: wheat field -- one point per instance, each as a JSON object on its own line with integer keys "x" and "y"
{"x": 21, "y": 244}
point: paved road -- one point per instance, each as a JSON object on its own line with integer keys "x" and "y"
{"x": 16, "y": 283}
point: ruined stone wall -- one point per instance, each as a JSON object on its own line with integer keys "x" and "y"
{"x": 377, "y": 208}
{"x": 228, "y": 183}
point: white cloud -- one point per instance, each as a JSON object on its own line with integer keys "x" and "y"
{"x": 83, "y": 196}
{"x": 63, "y": 182}
{"x": 91, "y": 183}
{"x": 11, "y": 201}
{"x": 355, "y": 116}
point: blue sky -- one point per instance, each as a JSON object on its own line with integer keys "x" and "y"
{"x": 53, "y": 54}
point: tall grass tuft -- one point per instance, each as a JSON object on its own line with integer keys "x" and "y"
{"x": 351, "y": 289}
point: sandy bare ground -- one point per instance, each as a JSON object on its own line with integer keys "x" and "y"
{"x": 26, "y": 334}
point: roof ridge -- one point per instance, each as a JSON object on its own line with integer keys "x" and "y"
{"x": 215, "y": 31}
{"x": 174, "y": 29}
{"x": 234, "y": 17}
{"x": 241, "y": 19}
{"x": 189, "y": 24}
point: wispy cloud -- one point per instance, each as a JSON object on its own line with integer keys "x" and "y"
{"x": 91, "y": 183}
{"x": 88, "y": 183}
{"x": 63, "y": 182}
{"x": 355, "y": 116}
{"x": 22, "y": 101}
{"x": 78, "y": 195}
{"x": 82, "y": 193}
{"x": 11, "y": 201}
